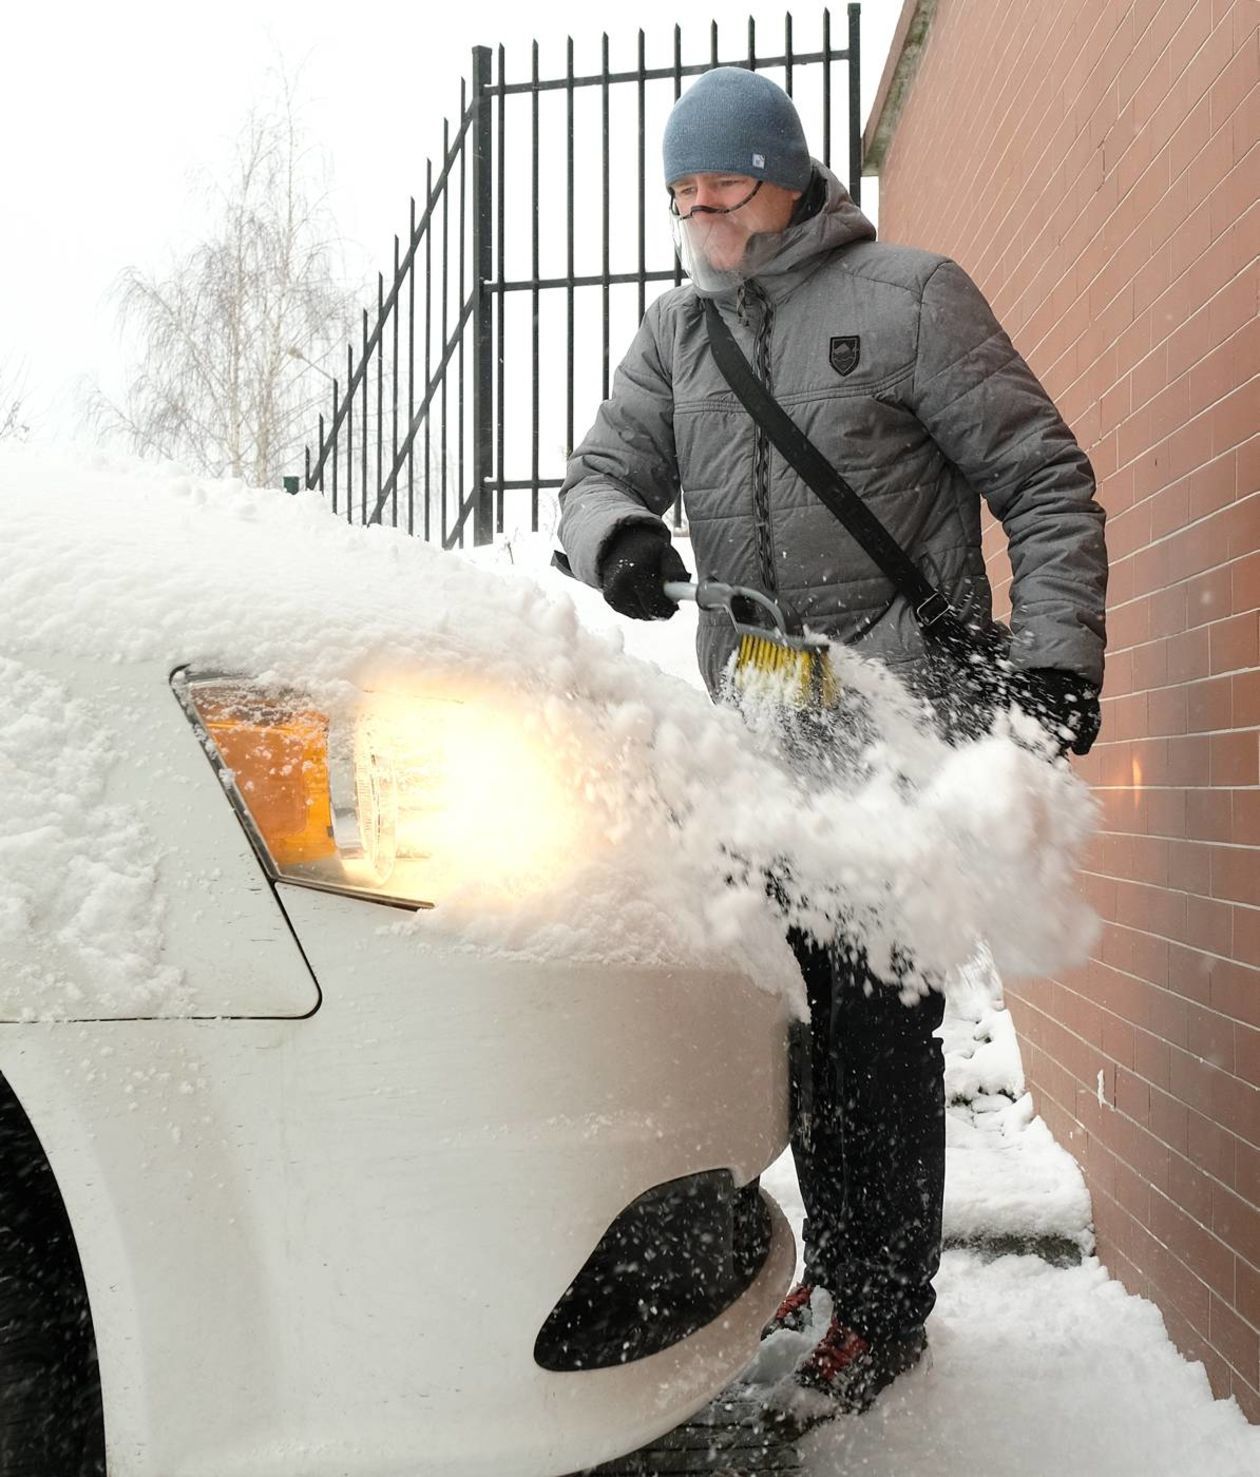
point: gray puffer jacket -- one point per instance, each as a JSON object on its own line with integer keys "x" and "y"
{"x": 893, "y": 364}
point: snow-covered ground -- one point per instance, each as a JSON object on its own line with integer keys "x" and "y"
{"x": 1037, "y": 1371}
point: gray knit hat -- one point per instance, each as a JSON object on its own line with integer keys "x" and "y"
{"x": 737, "y": 122}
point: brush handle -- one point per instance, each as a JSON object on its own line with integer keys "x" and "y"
{"x": 735, "y": 600}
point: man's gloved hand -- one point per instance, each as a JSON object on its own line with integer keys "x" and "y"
{"x": 634, "y": 567}
{"x": 1064, "y": 704}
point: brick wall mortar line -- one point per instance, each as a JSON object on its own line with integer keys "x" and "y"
{"x": 1166, "y": 686}
{"x": 1088, "y": 1046}
{"x": 1035, "y": 246}
{"x": 1224, "y": 1245}
{"x": 1126, "y": 1021}
{"x": 986, "y": 227}
{"x": 1119, "y": 1113}
{"x": 1117, "y": 651}
{"x": 1220, "y": 399}
{"x": 1165, "y": 939}
{"x": 1154, "y": 1188}
{"x": 1173, "y": 179}
{"x": 1194, "y": 262}
{"x": 1091, "y": 1087}
{"x": 1167, "y": 5}
{"x": 1173, "y": 1153}
{"x": 937, "y": 54}
{"x": 1088, "y": 247}
{"x": 1168, "y": 789}
{"x": 1141, "y": 226}
{"x": 1172, "y": 585}
{"x": 1157, "y": 210}
{"x": 980, "y": 228}
{"x": 1199, "y": 1168}
{"x": 1225, "y": 20}
{"x": 1188, "y": 366}
{"x": 1191, "y": 841}
{"x": 1181, "y": 1262}
{"x": 1219, "y": 513}
{"x": 1157, "y": 102}
{"x": 982, "y": 126}
{"x": 1089, "y": 47}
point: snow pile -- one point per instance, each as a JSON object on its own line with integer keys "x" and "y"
{"x": 1041, "y": 1372}
{"x": 1005, "y": 1174}
{"x": 920, "y": 850}
{"x": 77, "y": 877}
{"x": 1006, "y": 1177}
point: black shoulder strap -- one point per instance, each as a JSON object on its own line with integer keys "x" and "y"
{"x": 831, "y": 489}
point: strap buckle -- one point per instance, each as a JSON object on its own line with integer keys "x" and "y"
{"x": 932, "y": 610}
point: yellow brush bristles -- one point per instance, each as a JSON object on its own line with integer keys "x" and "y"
{"x": 806, "y": 678}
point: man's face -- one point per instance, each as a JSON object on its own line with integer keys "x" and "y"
{"x": 721, "y": 238}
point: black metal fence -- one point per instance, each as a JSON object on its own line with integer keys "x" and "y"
{"x": 437, "y": 422}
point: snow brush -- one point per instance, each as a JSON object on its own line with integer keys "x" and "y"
{"x": 768, "y": 661}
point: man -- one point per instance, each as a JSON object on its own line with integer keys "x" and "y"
{"x": 891, "y": 362}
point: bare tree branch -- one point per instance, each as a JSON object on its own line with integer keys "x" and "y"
{"x": 216, "y": 385}
{"x": 12, "y": 397}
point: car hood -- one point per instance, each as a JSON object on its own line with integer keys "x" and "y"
{"x": 121, "y": 565}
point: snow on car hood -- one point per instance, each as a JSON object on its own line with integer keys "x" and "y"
{"x": 924, "y": 850}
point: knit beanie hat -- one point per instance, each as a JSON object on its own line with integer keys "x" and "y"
{"x": 732, "y": 121}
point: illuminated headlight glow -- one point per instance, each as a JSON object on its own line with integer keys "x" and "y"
{"x": 407, "y": 799}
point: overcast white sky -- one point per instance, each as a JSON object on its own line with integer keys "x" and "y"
{"x": 107, "y": 112}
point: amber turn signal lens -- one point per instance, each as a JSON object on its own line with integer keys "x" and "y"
{"x": 279, "y": 757}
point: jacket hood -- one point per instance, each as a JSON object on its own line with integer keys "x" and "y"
{"x": 784, "y": 260}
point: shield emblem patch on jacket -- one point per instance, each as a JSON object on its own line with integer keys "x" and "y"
{"x": 846, "y": 350}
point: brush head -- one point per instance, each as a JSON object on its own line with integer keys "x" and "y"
{"x": 786, "y": 662}
{"x": 800, "y": 669}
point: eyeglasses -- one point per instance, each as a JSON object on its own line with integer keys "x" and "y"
{"x": 710, "y": 209}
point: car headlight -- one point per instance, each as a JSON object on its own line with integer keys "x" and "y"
{"x": 404, "y": 799}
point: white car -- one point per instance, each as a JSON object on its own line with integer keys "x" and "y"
{"x": 330, "y": 1143}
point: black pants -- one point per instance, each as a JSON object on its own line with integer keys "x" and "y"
{"x": 868, "y": 1138}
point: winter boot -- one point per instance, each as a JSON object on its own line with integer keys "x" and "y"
{"x": 852, "y": 1371}
{"x": 793, "y": 1311}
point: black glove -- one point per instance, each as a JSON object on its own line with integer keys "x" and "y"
{"x": 633, "y": 568}
{"x": 1064, "y": 704}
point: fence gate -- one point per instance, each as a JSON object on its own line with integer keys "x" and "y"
{"x": 528, "y": 262}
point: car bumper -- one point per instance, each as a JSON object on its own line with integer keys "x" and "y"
{"x": 328, "y": 1245}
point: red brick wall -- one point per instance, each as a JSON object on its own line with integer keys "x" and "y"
{"x": 1094, "y": 165}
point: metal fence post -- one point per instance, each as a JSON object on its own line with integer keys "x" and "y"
{"x": 855, "y": 104}
{"x": 479, "y": 460}
{"x": 483, "y": 331}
